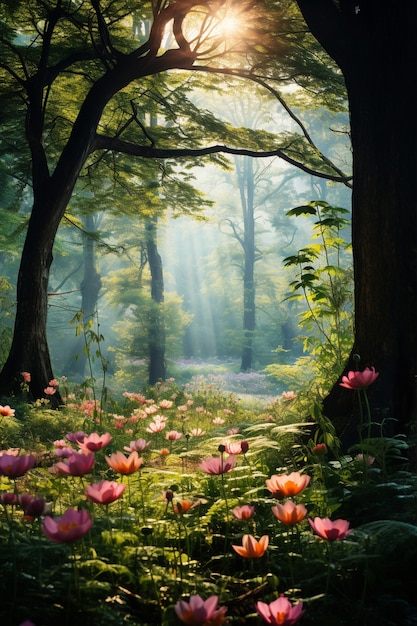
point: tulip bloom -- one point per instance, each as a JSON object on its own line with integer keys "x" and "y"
{"x": 359, "y": 380}
{"x": 94, "y": 442}
{"x": 77, "y": 464}
{"x": 332, "y": 531}
{"x": 218, "y": 465}
{"x": 250, "y": 548}
{"x": 199, "y": 612}
{"x": 243, "y": 512}
{"x": 72, "y": 525}
{"x": 280, "y": 612}
{"x": 123, "y": 465}
{"x": 15, "y": 466}
{"x": 289, "y": 513}
{"x": 104, "y": 492}
{"x": 284, "y": 486}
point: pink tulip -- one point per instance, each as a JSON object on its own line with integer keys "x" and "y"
{"x": 199, "y": 612}
{"x": 72, "y": 525}
{"x": 332, "y": 531}
{"x": 280, "y": 612}
{"x": 15, "y": 466}
{"x": 94, "y": 442}
{"x": 218, "y": 465}
{"x": 251, "y": 548}
{"x": 77, "y": 464}
{"x": 359, "y": 380}
{"x": 243, "y": 512}
{"x": 104, "y": 492}
{"x": 289, "y": 513}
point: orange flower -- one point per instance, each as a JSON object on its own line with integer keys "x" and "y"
{"x": 123, "y": 465}
{"x": 289, "y": 513}
{"x": 250, "y": 548}
{"x": 183, "y": 506}
{"x": 284, "y": 486}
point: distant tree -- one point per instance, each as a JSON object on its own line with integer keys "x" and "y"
{"x": 373, "y": 43}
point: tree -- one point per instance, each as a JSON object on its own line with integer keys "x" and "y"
{"x": 373, "y": 43}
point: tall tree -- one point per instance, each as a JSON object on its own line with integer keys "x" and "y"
{"x": 373, "y": 43}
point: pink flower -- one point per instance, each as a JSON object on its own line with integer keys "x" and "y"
{"x": 94, "y": 442}
{"x": 289, "y": 513}
{"x": 359, "y": 380}
{"x": 105, "y": 492}
{"x": 369, "y": 460}
{"x": 288, "y": 395}
{"x": 72, "y": 525}
{"x": 49, "y": 391}
{"x": 199, "y": 612}
{"x": 15, "y": 466}
{"x": 237, "y": 447}
{"x": 7, "y": 411}
{"x": 138, "y": 445}
{"x": 218, "y": 465}
{"x": 250, "y": 548}
{"x": 243, "y": 512}
{"x": 53, "y": 383}
{"x": 286, "y": 485}
{"x": 197, "y": 432}
{"x": 173, "y": 435}
{"x": 157, "y": 425}
{"x": 218, "y": 421}
{"x": 26, "y": 376}
{"x": 76, "y": 437}
{"x": 135, "y": 396}
{"x": 77, "y": 464}
{"x": 8, "y": 498}
{"x": 123, "y": 465}
{"x": 31, "y": 505}
{"x": 165, "y": 404}
{"x": 332, "y": 531}
{"x": 280, "y": 612}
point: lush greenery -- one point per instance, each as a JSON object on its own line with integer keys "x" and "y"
{"x": 170, "y": 535}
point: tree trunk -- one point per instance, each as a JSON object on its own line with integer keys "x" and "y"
{"x": 374, "y": 45}
{"x": 157, "y": 369}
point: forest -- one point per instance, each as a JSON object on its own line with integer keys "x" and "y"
{"x": 208, "y": 356}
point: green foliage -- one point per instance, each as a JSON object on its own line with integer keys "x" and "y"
{"x": 323, "y": 287}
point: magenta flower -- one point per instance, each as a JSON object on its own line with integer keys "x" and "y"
{"x": 218, "y": 465}
{"x": 77, "y": 464}
{"x": 104, "y": 492}
{"x": 139, "y": 445}
{"x": 199, "y": 612}
{"x": 94, "y": 442}
{"x": 359, "y": 380}
{"x": 76, "y": 437}
{"x": 32, "y": 506}
{"x": 332, "y": 531}
{"x": 15, "y": 466}
{"x": 280, "y": 612}
{"x": 173, "y": 435}
{"x": 243, "y": 512}
{"x": 72, "y": 525}
{"x": 8, "y": 498}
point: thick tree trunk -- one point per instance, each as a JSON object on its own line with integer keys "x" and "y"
{"x": 157, "y": 370}
{"x": 374, "y": 44}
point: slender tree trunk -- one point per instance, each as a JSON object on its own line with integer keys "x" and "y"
{"x": 157, "y": 368}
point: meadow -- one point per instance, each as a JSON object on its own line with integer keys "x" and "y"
{"x": 184, "y": 505}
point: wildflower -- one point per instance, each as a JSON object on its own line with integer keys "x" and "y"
{"x": 199, "y": 612}
{"x": 173, "y": 435}
{"x": 233, "y": 431}
{"x": 150, "y": 410}
{"x": 49, "y": 391}
{"x": 165, "y": 404}
{"x": 333, "y": 531}
{"x": 53, "y": 383}
{"x": 197, "y": 432}
{"x": 164, "y": 452}
{"x": 76, "y": 437}
{"x": 94, "y": 442}
{"x": 77, "y": 464}
{"x": 319, "y": 449}
{"x": 26, "y": 376}
{"x": 157, "y": 425}
{"x": 8, "y": 498}
{"x": 182, "y": 506}
{"x": 243, "y": 512}
{"x": 182, "y": 408}
{"x": 15, "y": 466}
{"x": 359, "y": 380}
{"x": 289, "y": 513}
{"x": 369, "y": 460}
{"x": 7, "y": 411}
{"x": 251, "y": 548}
{"x": 138, "y": 445}
{"x": 237, "y": 447}
{"x": 72, "y": 525}
{"x": 135, "y": 396}
{"x": 218, "y": 421}
{"x": 283, "y": 485}
{"x": 31, "y": 505}
{"x": 280, "y": 612}
{"x": 104, "y": 492}
{"x": 123, "y": 465}
{"x": 218, "y": 465}
{"x": 288, "y": 395}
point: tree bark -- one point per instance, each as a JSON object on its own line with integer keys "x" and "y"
{"x": 157, "y": 368}
{"x": 374, "y": 45}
